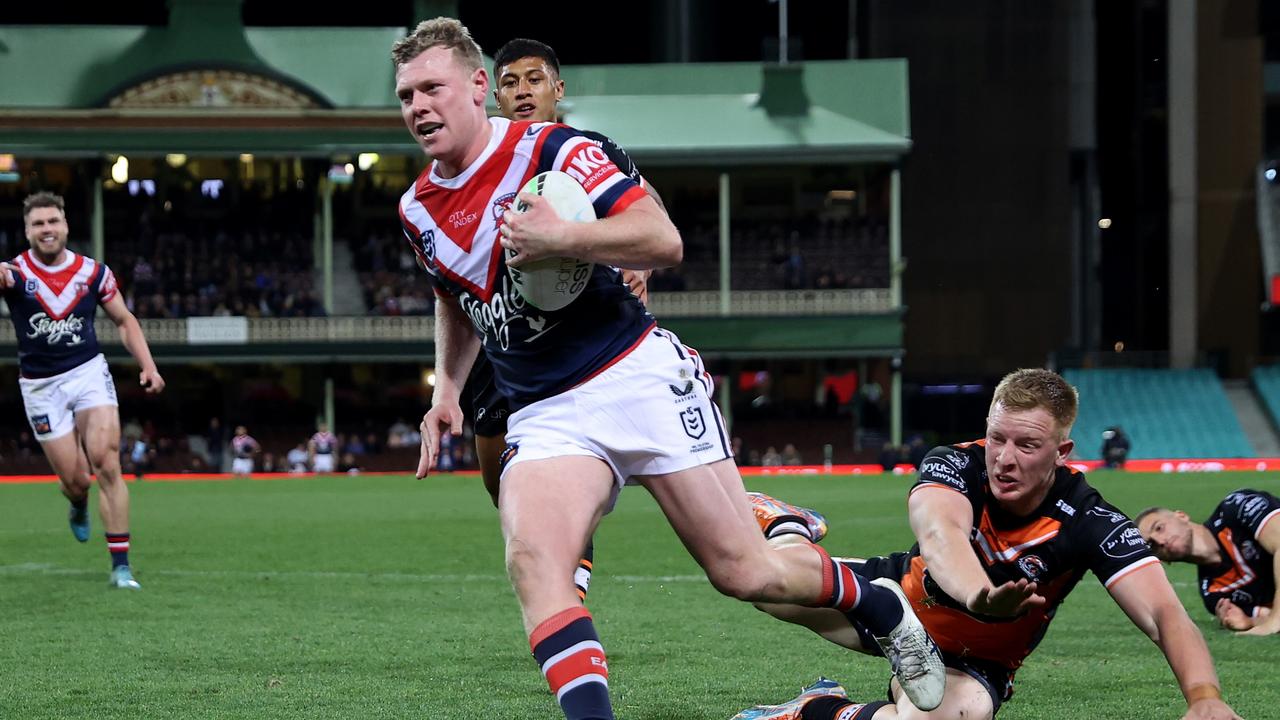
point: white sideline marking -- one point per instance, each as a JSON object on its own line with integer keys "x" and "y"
{"x": 51, "y": 569}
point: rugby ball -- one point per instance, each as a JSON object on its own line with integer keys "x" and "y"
{"x": 553, "y": 283}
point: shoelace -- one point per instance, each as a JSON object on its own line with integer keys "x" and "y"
{"x": 907, "y": 655}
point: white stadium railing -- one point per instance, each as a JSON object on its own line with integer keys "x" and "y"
{"x": 702, "y": 304}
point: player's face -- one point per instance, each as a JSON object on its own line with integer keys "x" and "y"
{"x": 47, "y": 231}
{"x": 528, "y": 89}
{"x": 1168, "y": 534}
{"x": 1024, "y": 449}
{"x": 442, "y": 104}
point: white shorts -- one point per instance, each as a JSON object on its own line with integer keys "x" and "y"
{"x": 323, "y": 463}
{"x": 650, "y": 413}
{"x": 242, "y": 466}
{"x": 52, "y": 402}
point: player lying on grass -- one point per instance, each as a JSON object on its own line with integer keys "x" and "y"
{"x": 1005, "y": 530}
{"x": 1234, "y": 552}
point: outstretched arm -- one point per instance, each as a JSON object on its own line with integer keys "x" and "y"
{"x": 942, "y": 520}
{"x": 135, "y": 342}
{"x": 1148, "y": 599}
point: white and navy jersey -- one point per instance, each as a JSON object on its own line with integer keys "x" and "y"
{"x": 324, "y": 443}
{"x": 53, "y": 308}
{"x": 452, "y": 224}
{"x": 1246, "y": 573}
{"x": 244, "y": 446}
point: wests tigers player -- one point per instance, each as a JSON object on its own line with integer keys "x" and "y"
{"x": 1005, "y": 530}
{"x": 53, "y": 296}
{"x": 1237, "y": 554}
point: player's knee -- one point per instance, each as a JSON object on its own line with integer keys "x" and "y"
{"x": 523, "y": 561}
{"x": 739, "y": 579}
{"x": 104, "y": 460}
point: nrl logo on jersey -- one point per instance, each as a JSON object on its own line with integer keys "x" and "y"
{"x": 55, "y": 330}
{"x": 30, "y": 288}
{"x": 427, "y": 244}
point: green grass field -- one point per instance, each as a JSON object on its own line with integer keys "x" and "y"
{"x": 385, "y": 597}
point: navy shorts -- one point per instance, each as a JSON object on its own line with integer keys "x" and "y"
{"x": 489, "y": 407}
{"x": 996, "y": 678}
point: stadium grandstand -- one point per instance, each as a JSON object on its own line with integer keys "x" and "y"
{"x": 884, "y": 209}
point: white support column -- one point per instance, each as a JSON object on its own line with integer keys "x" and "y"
{"x": 896, "y": 268}
{"x": 329, "y": 406}
{"x": 1183, "y": 182}
{"x": 895, "y": 238}
{"x": 724, "y": 244}
{"x": 326, "y": 245}
{"x": 98, "y": 237}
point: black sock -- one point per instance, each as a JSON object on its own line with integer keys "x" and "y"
{"x": 838, "y": 708}
{"x": 788, "y": 525}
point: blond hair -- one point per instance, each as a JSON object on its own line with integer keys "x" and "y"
{"x": 1032, "y": 388}
{"x": 43, "y": 199}
{"x": 439, "y": 32}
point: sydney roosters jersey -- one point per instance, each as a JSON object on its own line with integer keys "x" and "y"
{"x": 324, "y": 443}
{"x": 53, "y": 308}
{"x": 1246, "y": 575}
{"x": 244, "y": 446}
{"x": 1074, "y": 530}
{"x": 452, "y": 224}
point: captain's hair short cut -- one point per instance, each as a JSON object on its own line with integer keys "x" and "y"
{"x": 43, "y": 199}
{"x": 439, "y": 32}
{"x": 1150, "y": 511}
{"x": 1031, "y": 388}
{"x": 523, "y": 48}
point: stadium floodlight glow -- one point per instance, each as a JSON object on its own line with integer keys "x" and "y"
{"x": 349, "y": 168}
{"x": 175, "y": 160}
{"x": 367, "y": 160}
{"x": 246, "y": 158}
{"x": 1270, "y": 174}
{"x": 1104, "y": 223}
{"x": 120, "y": 170}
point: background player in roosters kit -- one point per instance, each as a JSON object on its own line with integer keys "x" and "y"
{"x": 243, "y": 450}
{"x": 53, "y": 296}
{"x": 1235, "y": 551}
{"x": 321, "y": 448}
{"x": 1006, "y": 529}
{"x": 592, "y": 384}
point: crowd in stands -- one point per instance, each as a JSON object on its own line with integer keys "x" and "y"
{"x": 193, "y": 271}
{"x": 390, "y": 278}
{"x": 219, "y": 273}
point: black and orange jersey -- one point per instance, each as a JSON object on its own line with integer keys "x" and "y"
{"x": 1072, "y": 531}
{"x": 1246, "y": 575}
